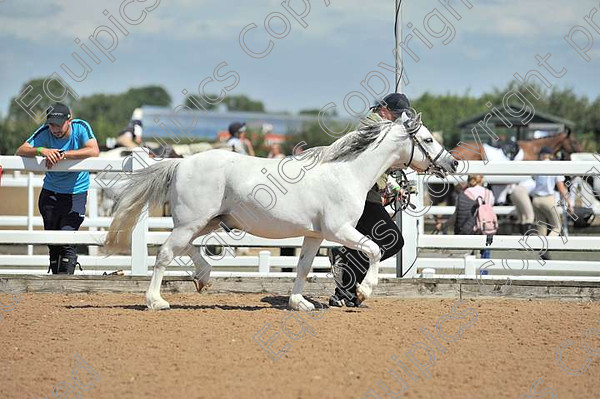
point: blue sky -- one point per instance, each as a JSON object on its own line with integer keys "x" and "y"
{"x": 180, "y": 42}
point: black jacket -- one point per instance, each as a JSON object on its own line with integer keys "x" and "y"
{"x": 464, "y": 215}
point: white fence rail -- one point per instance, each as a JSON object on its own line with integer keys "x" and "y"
{"x": 405, "y": 265}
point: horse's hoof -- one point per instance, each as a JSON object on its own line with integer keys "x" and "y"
{"x": 158, "y": 305}
{"x": 306, "y": 306}
{"x": 200, "y": 285}
{"x": 363, "y": 292}
{"x": 297, "y": 302}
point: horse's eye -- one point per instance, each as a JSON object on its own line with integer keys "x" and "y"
{"x": 429, "y": 140}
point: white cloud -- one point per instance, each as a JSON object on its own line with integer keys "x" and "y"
{"x": 526, "y": 19}
{"x": 183, "y": 19}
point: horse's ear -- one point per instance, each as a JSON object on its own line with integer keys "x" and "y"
{"x": 418, "y": 119}
{"x": 568, "y": 131}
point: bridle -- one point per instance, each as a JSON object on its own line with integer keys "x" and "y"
{"x": 415, "y": 141}
{"x": 560, "y": 146}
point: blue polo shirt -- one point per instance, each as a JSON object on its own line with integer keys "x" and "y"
{"x": 65, "y": 182}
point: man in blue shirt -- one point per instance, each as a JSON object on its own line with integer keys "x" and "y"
{"x": 64, "y": 194}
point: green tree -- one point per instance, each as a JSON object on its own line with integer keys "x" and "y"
{"x": 110, "y": 113}
{"x": 238, "y": 102}
{"x": 200, "y": 100}
{"x": 311, "y": 112}
{"x": 35, "y": 87}
{"x": 243, "y": 103}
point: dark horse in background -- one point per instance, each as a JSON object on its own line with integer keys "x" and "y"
{"x": 563, "y": 144}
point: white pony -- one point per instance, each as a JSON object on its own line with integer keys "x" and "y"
{"x": 319, "y": 194}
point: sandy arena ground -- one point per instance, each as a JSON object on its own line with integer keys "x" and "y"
{"x": 204, "y": 348}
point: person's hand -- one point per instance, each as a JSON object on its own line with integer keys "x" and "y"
{"x": 403, "y": 193}
{"x": 53, "y": 156}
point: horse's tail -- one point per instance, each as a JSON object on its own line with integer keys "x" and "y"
{"x": 150, "y": 185}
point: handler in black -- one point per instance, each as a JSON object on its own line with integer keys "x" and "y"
{"x": 64, "y": 194}
{"x": 350, "y": 266}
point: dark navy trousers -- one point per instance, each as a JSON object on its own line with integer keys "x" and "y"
{"x": 62, "y": 212}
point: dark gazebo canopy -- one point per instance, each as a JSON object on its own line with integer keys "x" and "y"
{"x": 540, "y": 121}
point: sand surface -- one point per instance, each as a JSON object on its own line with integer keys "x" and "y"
{"x": 204, "y": 347}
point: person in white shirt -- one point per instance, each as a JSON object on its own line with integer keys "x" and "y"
{"x": 234, "y": 142}
{"x": 518, "y": 193}
{"x": 238, "y": 141}
{"x": 544, "y": 198}
{"x": 131, "y": 136}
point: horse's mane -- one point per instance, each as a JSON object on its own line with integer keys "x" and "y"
{"x": 352, "y": 144}
{"x": 355, "y": 143}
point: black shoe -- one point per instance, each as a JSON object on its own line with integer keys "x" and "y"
{"x": 336, "y": 302}
{"x": 53, "y": 266}
{"x": 67, "y": 264}
{"x": 335, "y": 257}
{"x": 525, "y": 227}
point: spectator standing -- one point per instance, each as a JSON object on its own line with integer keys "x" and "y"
{"x": 63, "y": 197}
{"x": 544, "y": 198}
{"x": 275, "y": 152}
{"x": 131, "y": 136}
{"x": 466, "y": 206}
{"x": 238, "y": 142}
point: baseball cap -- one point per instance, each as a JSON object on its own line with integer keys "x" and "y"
{"x": 395, "y": 102}
{"x": 58, "y": 114}
{"x": 236, "y": 127}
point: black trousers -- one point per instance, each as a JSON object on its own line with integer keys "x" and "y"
{"x": 62, "y": 212}
{"x": 376, "y": 224}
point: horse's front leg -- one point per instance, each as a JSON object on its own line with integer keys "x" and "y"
{"x": 353, "y": 239}
{"x": 310, "y": 246}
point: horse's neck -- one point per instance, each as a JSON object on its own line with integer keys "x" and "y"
{"x": 373, "y": 162}
{"x": 546, "y": 141}
{"x": 536, "y": 144}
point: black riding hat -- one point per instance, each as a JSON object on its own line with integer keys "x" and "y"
{"x": 395, "y": 102}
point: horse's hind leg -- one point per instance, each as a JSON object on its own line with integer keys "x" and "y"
{"x": 178, "y": 240}
{"x": 202, "y": 273}
{"x": 310, "y": 246}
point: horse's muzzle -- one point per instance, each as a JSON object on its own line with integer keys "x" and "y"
{"x": 448, "y": 165}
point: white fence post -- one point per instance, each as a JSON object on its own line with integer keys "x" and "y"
{"x": 139, "y": 234}
{"x": 93, "y": 214}
{"x": 30, "y": 194}
{"x": 470, "y": 266}
{"x": 139, "y": 245}
{"x": 264, "y": 262}
{"x": 410, "y": 234}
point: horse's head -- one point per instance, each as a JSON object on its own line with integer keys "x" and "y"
{"x": 567, "y": 144}
{"x": 426, "y": 154}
